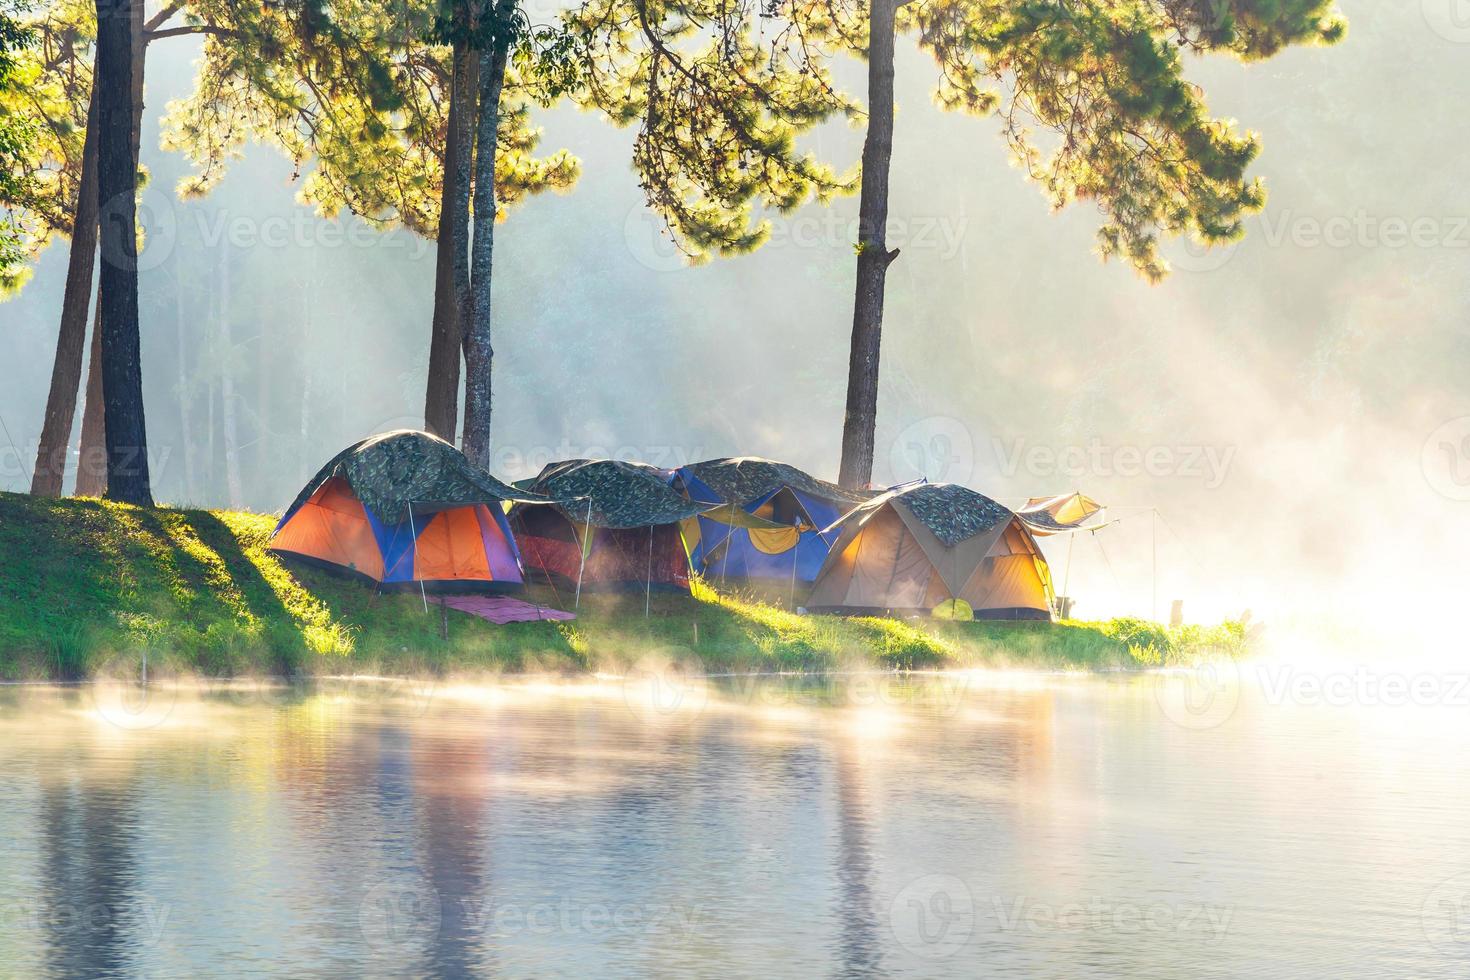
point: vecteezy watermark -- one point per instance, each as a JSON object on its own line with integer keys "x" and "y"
{"x": 655, "y": 693}
{"x": 16, "y": 460}
{"x": 661, "y": 691}
{"x": 398, "y": 916}
{"x": 78, "y": 924}
{"x": 134, "y": 690}
{"x": 567, "y": 917}
{"x": 1445, "y": 916}
{"x": 510, "y": 458}
{"x": 652, "y": 245}
{"x": 1450, "y": 19}
{"x": 1208, "y": 464}
{"x": 395, "y": 916}
{"x": 1361, "y": 229}
{"x": 1199, "y": 698}
{"x": 1445, "y": 459}
{"x": 1362, "y": 687}
{"x": 933, "y": 917}
{"x": 1102, "y": 914}
{"x": 939, "y": 449}
{"x": 163, "y": 223}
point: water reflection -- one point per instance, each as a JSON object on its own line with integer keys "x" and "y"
{"x": 841, "y": 826}
{"x": 90, "y": 911}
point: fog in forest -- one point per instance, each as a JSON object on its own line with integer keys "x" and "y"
{"x": 1287, "y": 406}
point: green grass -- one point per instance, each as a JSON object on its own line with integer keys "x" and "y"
{"x": 89, "y": 585}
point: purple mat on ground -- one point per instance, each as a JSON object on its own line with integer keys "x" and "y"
{"x": 503, "y": 609}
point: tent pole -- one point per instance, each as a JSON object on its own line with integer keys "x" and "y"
{"x": 795, "y": 550}
{"x": 729, "y": 533}
{"x": 586, "y": 546}
{"x": 648, "y": 583}
{"x": 1067, "y": 572}
{"x": 415, "y": 543}
{"x": 1154, "y": 544}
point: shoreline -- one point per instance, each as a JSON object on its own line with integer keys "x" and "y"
{"x": 96, "y": 585}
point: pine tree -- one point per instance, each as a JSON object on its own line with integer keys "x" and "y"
{"x": 17, "y": 137}
{"x": 365, "y": 97}
{"x": 1091, "y": 95}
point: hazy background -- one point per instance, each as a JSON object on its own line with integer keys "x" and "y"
{"x": 1292, "y": 390}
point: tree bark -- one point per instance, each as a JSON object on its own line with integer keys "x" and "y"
{"x": 873, "y": 259}
{"x": 71, "y": 339}
{"x": 228, "y": 416}
{"x": 122, "y": 381}
{"x": 441, "y": 399}
{"x": 478, "y": 353}
{"x": 92, "y": 447}
{"x": 186, "y": 397}
{"x": 464, "y": 297}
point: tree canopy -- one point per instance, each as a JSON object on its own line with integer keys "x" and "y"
{"x": 356, "y": 93}
{"x": 718, "y": 105}
{"x": 45, "y": 87}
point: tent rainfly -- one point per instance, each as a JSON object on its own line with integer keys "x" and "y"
{"x": 920, "y": 545}
{"x": 407, "y": 509}
{"x": 1062, "y": 513}
{"x": 765, "y": 520}
{"x": 613, "y": 525}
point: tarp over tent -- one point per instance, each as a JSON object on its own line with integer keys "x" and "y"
{"x": 784, "y": 544}
{"x": 613, "y": 525}
{"x": 406, "y": 508}
{"x": 1062, "y": 513}
{"x": 917, "y": 546}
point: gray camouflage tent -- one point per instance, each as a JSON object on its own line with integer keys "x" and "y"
{"x": 405, "y": 509}
{"x": 613, "y": 525}
{"x": 917, "y": 546}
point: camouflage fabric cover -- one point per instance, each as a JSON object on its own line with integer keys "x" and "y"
{"x": 954, "y": 513}
{"x": 742, "y": 479}
{"x": 1041, "y": 521}
{"x": 621, "y": 494}
{"x": 391, "y": 471}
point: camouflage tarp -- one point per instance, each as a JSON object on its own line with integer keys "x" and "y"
{"x": 620, "y": 494}
{"x": 391, "y": 471}
{"x": 1064, "y": 512}
{"x": 744, "y": 479}
{"x": 954, "y": 513}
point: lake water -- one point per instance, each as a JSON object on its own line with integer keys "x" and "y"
{"x": 966, "y": 824}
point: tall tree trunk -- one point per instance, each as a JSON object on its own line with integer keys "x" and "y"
{"x": 308, "y": 323}
{"x": 874, "y": 257}
{"x": 464, "y": 297}
{"x": 441, "y": 399}
{"x": 122, "y": 382}
{"x": 92, "y": 444}
{"x": 478, "y": 353}
{"x": 227, "y": 387}
{"x": 186, "y": 426}
{"x": 92, "y": 448}
{"x": 71, "y": 340}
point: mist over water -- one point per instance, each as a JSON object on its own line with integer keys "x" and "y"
{"x": 1293, "y": 406}
{"x": 868, "y": 825}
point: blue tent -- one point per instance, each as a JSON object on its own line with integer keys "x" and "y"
{"x": 769, "y": 530}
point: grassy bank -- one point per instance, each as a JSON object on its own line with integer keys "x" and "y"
{"x": 87, "y": 585}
